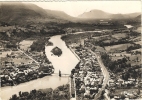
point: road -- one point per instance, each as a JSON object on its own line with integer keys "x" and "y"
{"x": 104, "y": 70}
{"x": 105, "y": 73}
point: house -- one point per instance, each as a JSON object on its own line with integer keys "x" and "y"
{"x": 140, "y": 84}
{"x": 111, "y": 83}
{"x": 131, "y": 79}
{"x": 120, "y": 81}
{"x": 87, "y": 93}
{"x": 80, "y": 72}
{"x": 13, "y": 74}
{"x": 116, "y": 97}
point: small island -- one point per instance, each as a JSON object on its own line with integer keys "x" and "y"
{"x": 57, "y": 51}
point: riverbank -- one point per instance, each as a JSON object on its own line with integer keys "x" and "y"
{"x": 74, "y": 53}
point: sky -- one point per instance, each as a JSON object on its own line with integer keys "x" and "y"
{"x": 75, "y": 8}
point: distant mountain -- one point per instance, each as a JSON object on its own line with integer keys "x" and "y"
{"x": 98, "y": 14}
{"x": 132, "y": 15}
{"x": 60, "y": 15}
{"x": 95, "y": 14}
{"x": 117, "y": 16}
{"x": 138, "y": 17}
{"x": 22, "y": 13}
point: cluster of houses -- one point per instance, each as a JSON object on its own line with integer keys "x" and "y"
{"x": 13, "y": 74}
{"x": 88, "y": 80}
{"x": 88, "y": 75}
{"x": 18, "y": 68}
{"x": 117, "y": 83}
{"x": 120, "y": 83}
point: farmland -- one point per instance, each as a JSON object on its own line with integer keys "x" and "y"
{"x": 119, "y": 35}
{"x": 138, "y": 30}
{"x": 25, "y": 44}
{"x": 6, "y": 28}
{"x": 117, "y": 48}
{"x": 139, "y": 42}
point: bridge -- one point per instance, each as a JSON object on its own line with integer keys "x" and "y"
{"x": 62, "y": 74}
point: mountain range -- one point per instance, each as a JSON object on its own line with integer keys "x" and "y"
{"x": 29, "y": 13}
{"x": 98, "y": 14}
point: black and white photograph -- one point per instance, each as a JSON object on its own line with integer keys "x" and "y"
{"x": 70, "y": 50}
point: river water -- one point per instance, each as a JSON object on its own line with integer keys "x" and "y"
{"x": 128, "y": 26}
{"x": 41, "y": 83}
{"x": 65, "y": 63}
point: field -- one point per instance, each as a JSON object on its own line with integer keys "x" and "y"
{"x": 119, "y": 35}
{"x": 116, "y": 56}
{"x": 25, "y": 44}
{"x": 139, "y": 42}
{"x": 116, "y": 48}
{"x": 137, "y": 50}
{"x": 138, "y": 29}
{"x": 137, "y": 38}
{"x": 132, "y": 58}
{"x": 6, "y": 28}
{"x": 20, "y": 58}
{"x": 4, "y": 53}
{"x": 23, "y": 60}
{"x": 109, "y": 40}
{"x": 17, "y": 57}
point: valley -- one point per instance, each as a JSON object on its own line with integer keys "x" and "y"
{"x": 49, "y": 55}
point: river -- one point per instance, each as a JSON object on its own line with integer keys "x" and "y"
{"x": 65, "y": 63}
{"x": 41, "y": 83}
{"x": 128, "y": 26}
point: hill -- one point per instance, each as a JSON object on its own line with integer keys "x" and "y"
{"x": 138, "y": 17}
{"x": 132, "y": 15}
{"x": 60, "y": 15}
{"x": 25, "y": 14}
{"x": 98, "y": 14}
{"x": 95, "y": 14}
{"x": 22, "y": 13}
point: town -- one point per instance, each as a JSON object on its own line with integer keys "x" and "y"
{"x": 88, "y": 75}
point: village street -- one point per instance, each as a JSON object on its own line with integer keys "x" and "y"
{"x": 104, "y": 71}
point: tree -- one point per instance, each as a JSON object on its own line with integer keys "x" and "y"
{"x": 137, "y": 59}
{"x": 20, "y": 94}
{"x": 14, "y": 97}
{"x": 125, "y": 76}
{"x": 56, "y": 51}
